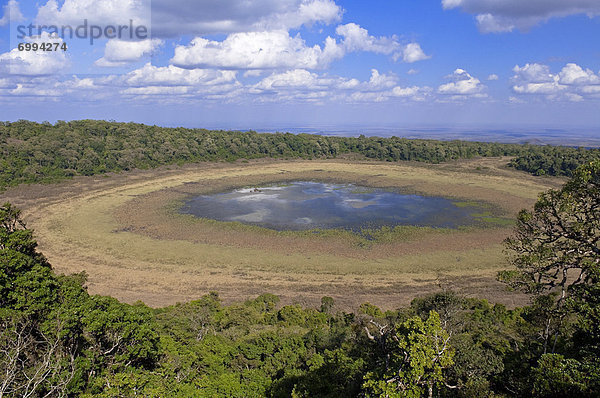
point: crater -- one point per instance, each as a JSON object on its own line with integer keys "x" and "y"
{"x": 306, "y": 205}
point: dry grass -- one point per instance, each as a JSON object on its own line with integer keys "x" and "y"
{"x": 122, "y": 231}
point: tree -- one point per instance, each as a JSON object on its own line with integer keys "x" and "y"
{"x": 327, "y": 304}
{"x": 25, "y": 275}
{"x": 32, "y": 363}
{"x": 556, "y": 247}
{"x": 558, "y": 377}
{"x": 419, "y": 353}
{"x": 32, "y": 360}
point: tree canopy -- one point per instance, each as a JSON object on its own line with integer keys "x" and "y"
{"x": 556, "y": 253}
{"x": 42, "y": 152}
{"x": 56, "y": 340}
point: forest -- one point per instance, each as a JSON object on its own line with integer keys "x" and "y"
{"x": 42, "y": 152}
{"x": 58, "y": 340}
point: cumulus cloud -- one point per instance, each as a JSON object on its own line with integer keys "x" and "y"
{"x": 496, "y": 16}
{"x": 150, "y": 75}
{"x": 256, "y": 50}
{"x": 11, "y": 13}
{"x": 150, "y": 81}
{"x": 533, "y": 73}
{"x": 575, "y": 75}
{"x": 297, "y": 78}
{"x": 493, "y": 77}
{"x": 303, "y": 85}
{"x": 175, "y": 17}
{"x": 156, "y": 90}
{"x": 23, "y": 90}
{"x": 44, "y": 88}
{"x": 101, "y": 13}
{"x": 121, "y": 52}
{"x": 356, "y": 38}
{"x": 170, "y": 84}
{"x": 572, "y": 83}
{"x": 258, "y": 32}
{"x": 35, "y": 63}
{"x": 170, "y": 18}
{"x": 306, "y": 12}
{"x": 379, "y": 80}
{"x": 462, "y": 85}
{"x": 412, "y": 52}
{"x": 278, "y": 50}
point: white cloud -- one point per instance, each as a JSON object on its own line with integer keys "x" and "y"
{"x": 154, "y": 81}
{"x": 35, "y": 63}
{"x": 297, "y": 78}
{"x": 121, "y": 52}
{"x": 174, "y": 85}
{"x": 535, "y": 79}
{"x": 150, "y": 75}
{"x": 549, "y": 88}
{"x": 52, "y": 87}
{"x": 488, "y": 23}
{"x": 302, "y": 85}
{"x": 11, "y": 13}
{"x": 176, "y": 17}
{"x": 278, "y": 50}
{"x": 356, "y": 38}
{"x": 412, "y": 72}
{"x": 572, "y": 83}
{"x": 297, "y": 85}
{"x": 378, "y": 80}
{"x": 496, "y": 16}
{"x": 493, "y": 77}
{"x": 101, "y": 13}
{"x": 35, "y": 91}
{"x": 534, "y": 73}
{"x": 170, "y": 18}
{"x": 574, "y": 97}
{"x": 256, "y": 50}
{"x": 253, "y": 73}
{"x": 307, "y": 12}
{"x": 412, "y": 53}
{"x": 406, "y": 92}
{"x": 7, "y": 83}
{"x": 156, "y": 90}
{"x": 573, "y": 74}
{"x": 463, "y": 85}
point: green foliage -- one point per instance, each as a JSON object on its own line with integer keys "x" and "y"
{"x": 552, "y": 160}
{"x": 57, "y": 340}
{"x": 32, "y": 152}
{"x": 327, "y": 304}
{"x": 371, "y": 310}
{"x": 556, "y": 253}
{"x": 558, "y": 377}
{"x": 556, "y": 249}
{"x": 418, "y": 354}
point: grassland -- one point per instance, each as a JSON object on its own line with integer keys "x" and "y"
{"x": 124, "y": 231}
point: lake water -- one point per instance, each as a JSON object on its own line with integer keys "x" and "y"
{"x": 307, "y": 205}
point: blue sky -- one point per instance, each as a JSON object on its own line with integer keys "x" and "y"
{"x": 293, "y": 63}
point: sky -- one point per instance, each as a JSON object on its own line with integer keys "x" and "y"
{"x": 260, "y": 64}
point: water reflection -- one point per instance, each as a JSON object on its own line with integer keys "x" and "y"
{"x": 307, "y": 205}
